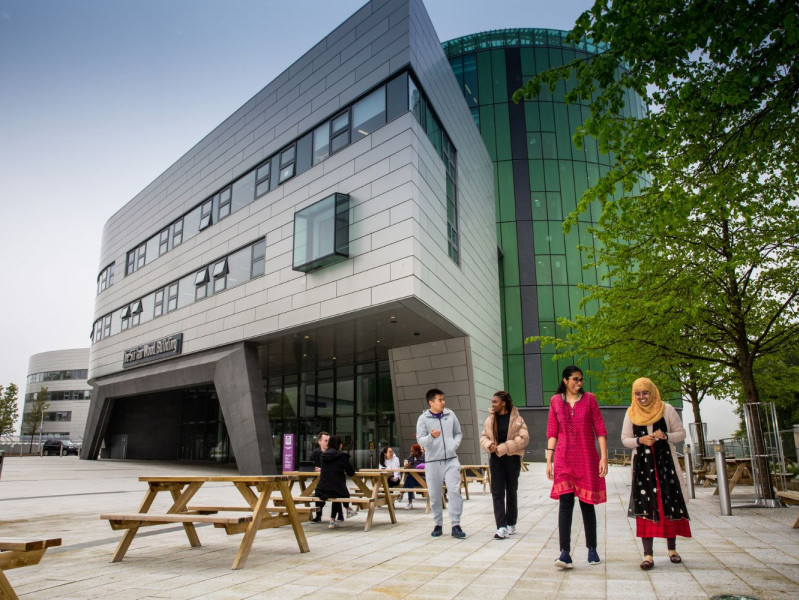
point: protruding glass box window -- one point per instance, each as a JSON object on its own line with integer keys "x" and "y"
{"x": 322, "y": 233}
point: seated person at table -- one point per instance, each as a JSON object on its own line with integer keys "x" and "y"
{"x": 390, "y": 461}
{"x": 414, "y": 461}
{"x": 336, "y": 466}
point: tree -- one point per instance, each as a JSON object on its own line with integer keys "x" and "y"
{"x": 699, "y": 225}
{"x": 8, "y": 409}
{"x": 32, "y": 419}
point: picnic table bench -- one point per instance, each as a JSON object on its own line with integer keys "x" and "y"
{"x": 255, "y": 515}
{"x": 371, "y": 492}
{"x": 790, "y": 497}
{"x": 20, "y": 552}
{"x": 479, "y": 473}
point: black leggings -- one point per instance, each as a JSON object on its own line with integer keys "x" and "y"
{"x": 671, "y": 544}
{"x": 565, "y": 521}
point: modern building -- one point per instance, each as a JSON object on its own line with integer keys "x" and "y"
{"x": 539, "y": 177}
{"x": 317, "y": 262}
{"x": 64, "y": 373}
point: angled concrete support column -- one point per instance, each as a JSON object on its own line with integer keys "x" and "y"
{"x": 99, "y": 413}
{"x": 239, "y": 386}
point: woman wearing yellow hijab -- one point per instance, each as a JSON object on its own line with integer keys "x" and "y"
{"x": 652, "y": 427}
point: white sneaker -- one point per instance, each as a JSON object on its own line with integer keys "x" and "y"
{"x": 351, "y": 512}
{"x": 501, "y": 534}
{"x": 511, "y": 529}
{"x": 333, "y": 524}
{"x": 409, "y": 506}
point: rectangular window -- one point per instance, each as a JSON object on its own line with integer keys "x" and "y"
{"x": 258, "y": 257}
{"x": 125, "y": 316}
{"x": 130, "y": 262}
{"x": 135, "y": 313}
{"x": 224, "y": 204}
{"x": 177, "y": 232}
{"x": 163, "y": 242}
{"x": 172, "y": 298}
{"x": 201, "y": 284}
{"x": 220, "y": 275}
{"x": 262, "y": 180}
{"x": 243, "y": 192}
{"x": 369, "y": 113}
{"x": 110, "y": 270}
{"x": 321, "y": 233}
{"x": 287, "y": 158}
{"x": 106, "y": 326}
{"x": 321, "y": 143}
{"x": 205, "y": 214}
{"x": 158, "y": 309}
{"x": 339, "y": 132}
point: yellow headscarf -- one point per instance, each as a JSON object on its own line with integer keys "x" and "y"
{"x": 645, "y": 415}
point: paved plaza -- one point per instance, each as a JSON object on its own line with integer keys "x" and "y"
{"x": 754, "y": 553}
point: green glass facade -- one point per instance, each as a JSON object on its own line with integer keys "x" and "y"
{"x": 539, "y": 175}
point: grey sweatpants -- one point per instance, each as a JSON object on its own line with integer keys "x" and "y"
{"x": 438, "y": 473}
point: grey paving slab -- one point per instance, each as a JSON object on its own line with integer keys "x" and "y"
{"x": 755, "y": 552}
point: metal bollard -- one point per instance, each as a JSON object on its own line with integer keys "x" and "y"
{"x": 721, "y": 474}
{"x": 689, "y": 472}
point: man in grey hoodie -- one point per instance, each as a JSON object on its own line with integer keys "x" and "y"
{"x": 439, "y": 433}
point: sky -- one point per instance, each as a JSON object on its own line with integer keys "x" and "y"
{"x": 98, "y": 97}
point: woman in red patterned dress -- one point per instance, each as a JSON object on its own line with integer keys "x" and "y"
{"x": 574, "y": 425}
{"x": 652, "y": 427}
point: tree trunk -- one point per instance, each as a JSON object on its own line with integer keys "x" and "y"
{"x": 700, "y": 433}
{"x": 757, "y": 441}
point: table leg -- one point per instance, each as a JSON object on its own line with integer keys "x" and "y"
{"x": 128, "y": 536}
{"x": 181, "y": 500}
{"x": 389, "y": 499}
{"x": 249, "y": 535}
{"x": 6, "y": 591}
{"x": 294, "y": 517}
{"x": 465, "y": 482}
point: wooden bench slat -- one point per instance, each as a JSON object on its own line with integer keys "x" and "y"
{"x": 315, "y": 499}
{"x": 26, "y": 545}
{"x": 175, "y": 518}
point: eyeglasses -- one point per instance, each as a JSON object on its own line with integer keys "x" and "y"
{"x": 577, "y": 379}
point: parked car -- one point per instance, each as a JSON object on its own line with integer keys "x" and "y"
{"x": 57, "y": 446}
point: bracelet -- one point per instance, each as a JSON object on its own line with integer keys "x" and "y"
{"x": 550, "y": 449}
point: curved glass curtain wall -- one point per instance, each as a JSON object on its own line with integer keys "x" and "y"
{"x": 538, "y": 176}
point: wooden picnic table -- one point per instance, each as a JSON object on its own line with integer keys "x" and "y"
{"x": 371, "y": 492}
{"x": 479, "y": 473}
{"x": 254, "y": 514}
{"x": 20, "y": 552}
{"x": 790, "y": 497}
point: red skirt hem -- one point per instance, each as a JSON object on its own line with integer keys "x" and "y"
{"x": 587, "y": 496}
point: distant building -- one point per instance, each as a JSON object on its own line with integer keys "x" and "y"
{"x": 64, "y": 374}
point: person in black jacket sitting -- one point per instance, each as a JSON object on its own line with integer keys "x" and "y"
{"x": 336, "y": 466}
{"x": 322, "y": 438}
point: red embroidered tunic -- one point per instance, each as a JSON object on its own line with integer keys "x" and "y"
{"x": 576, "y": 460}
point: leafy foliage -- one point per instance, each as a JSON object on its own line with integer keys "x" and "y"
{"x": 8, "y": 408}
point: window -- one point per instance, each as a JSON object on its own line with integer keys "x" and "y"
{"x": 158, "y": 309}
{"x": 321, "y": 233}
{"x": 201, "y": 284}
{"x": 135, "y": 313}
{"x": 125, "y": 316}
{"x": 106, "y": 278}
{"x": 130, "y": 262}
{"x": 321, "y": 143}
{"x": 219, "y": 274}
{"x": 205, "y": 214}
{"x": 106, "y": 326}
{"x": 172, "y": 298}
{"x": 369, "y": 113}
{"x": 262, "y": 179}
{"x": 177, "y": 232}
{"x": 141, "y": 256}
{"x": 224, "y": 204}
{"x": 287, "y": 159}
{"x": 258, "y": 257}
{"x": 339, "y": 132}
{"x": 163, "y": 242}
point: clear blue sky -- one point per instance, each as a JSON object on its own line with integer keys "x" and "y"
{"x": 98, "y": 97}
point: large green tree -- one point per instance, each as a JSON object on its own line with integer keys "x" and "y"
{"x": 699, "y": 225}
{"x": 8, "y": 408}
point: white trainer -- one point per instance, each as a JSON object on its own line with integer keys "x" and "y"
{"x": 501, "y": 534}
{"x": 511, "y": 529}
{"x": 409, "y": 506}
{"x": 351, "y": 512}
